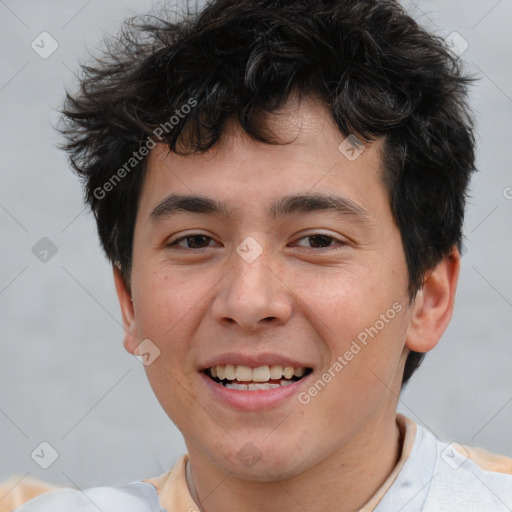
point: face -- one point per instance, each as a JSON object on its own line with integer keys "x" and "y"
{"x": 262, "y": 257}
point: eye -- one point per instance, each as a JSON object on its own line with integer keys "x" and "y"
{"x": 192, "y": 242}
{"x": 319, "y": 241}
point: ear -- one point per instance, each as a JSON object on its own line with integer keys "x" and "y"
{"x": 433, "y": 305}
{"x": 127, "y": 311}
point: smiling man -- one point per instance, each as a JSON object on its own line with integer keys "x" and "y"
{"x": 241, "y": 336}
{"x": 280, "y": 187}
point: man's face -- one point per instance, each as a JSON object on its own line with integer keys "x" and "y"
{"x": 271, "y": 278}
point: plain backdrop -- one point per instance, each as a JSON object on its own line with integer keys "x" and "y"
{"x": 65, "y": 378}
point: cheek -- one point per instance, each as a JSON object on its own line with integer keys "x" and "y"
{"x": 164, "y": 303}
{"x": 347, "y": 300}
{"x": 176, "y": 396}
{"x": 359, "y": 319}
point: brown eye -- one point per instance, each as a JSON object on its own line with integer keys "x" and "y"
{"x": 318, "y": 241}
{"x": 193, "y": 241}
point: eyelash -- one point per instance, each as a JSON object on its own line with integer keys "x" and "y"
{"x": 337, "y": 242}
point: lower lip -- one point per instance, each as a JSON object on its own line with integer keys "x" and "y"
{"x": 253, "y": 400}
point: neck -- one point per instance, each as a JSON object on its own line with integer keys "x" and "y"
{"x": 342, "y": 482}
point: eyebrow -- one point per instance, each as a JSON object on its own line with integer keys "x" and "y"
{"x": 285, "y": 206}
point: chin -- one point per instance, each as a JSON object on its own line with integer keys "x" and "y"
{"x": 262, "y": 463}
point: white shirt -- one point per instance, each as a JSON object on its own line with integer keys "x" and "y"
{"x": 431, "y": 476}
{"x": 436, "y": 477}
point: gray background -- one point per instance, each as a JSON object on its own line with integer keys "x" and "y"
{"x": 64, "y": 375}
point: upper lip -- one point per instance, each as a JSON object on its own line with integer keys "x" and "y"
{"x": 252, "y": 360}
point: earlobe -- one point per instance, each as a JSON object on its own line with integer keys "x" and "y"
{"x": 127, "y": 312}
{"x": 433, "y": 305}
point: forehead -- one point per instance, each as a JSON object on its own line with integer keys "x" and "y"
{"x": 310, "y": 156}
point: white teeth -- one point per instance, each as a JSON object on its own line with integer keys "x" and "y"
{"x": 256, "y": 386}
{"x": 288, "y": 372}
{"x": 263, "y": 373}
{"x": 276, "y": 371}
{"x": 243, "y": 373}
{"x": 230, "y": 372}
{"x": 234, "y": 385}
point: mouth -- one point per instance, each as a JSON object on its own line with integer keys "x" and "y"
{"x": 259, "y": 378}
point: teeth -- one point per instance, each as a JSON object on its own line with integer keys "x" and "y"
{"x": 230, "y": 372}
{"x": 276, "y": 371}
{"x": 234, "y": 385}
{"x": 243, "y": 373}
{"x": 288, "y": 372}
{"x": 256, "y": 386}
{"x": 263, "y": 373}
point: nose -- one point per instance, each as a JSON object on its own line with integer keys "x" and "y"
{"x": 252, "y": 296}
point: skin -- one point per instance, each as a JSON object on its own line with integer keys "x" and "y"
{"x": 298, "y": 298}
